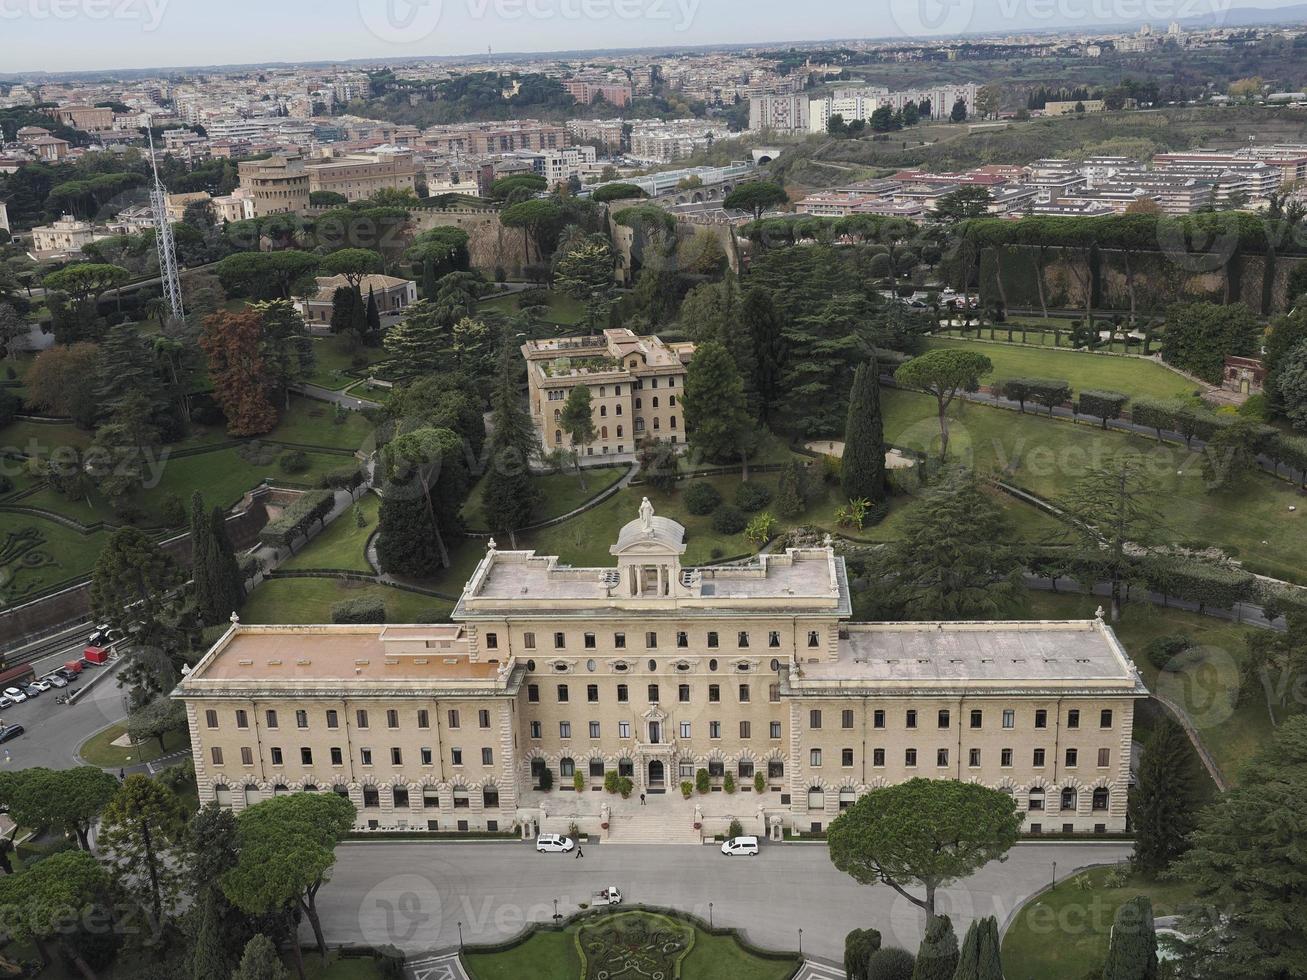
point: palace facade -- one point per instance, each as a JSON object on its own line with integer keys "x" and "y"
{"x": 550, "y": 677}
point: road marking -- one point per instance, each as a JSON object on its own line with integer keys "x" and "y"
{"x": 816, "y": 970}
{"x": 445, "y": 967}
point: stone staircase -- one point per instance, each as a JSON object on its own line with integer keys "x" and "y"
{"x": 651, "y": 824}
{"x": 819, "y": 970}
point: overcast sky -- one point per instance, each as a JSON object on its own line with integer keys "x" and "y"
{"x": 70, "y": 35}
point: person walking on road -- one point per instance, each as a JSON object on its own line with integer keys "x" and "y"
{"x": 579, "y": 853}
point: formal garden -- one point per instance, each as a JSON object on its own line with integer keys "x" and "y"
{"x": 644, "y": 943}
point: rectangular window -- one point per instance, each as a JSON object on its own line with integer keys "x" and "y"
{"x": 560, "y": 641}
{"x": 456, "y": 756}
{"x": 685, "y": 729}
{"x": 306, "y": 757}
{"x": 714, "y": 729}
{"x": 943, "y": 718}
{"x": 453, "y": 717}
{"x": 533, "y": 693}
{"x": 976, "y": 718}
{"x": 562, "y": 693}
{"x": 910, "y": 719}
{"x": 619, "y": 641}
{"x": 424, "y": 718}
{"x": 1005, "y": 758}
{"x": 564, "y": 729}
{"x": 529, "y": 641}
{"x": 714, "y": 693}
{"x": 271, "y": 716}
{"x": 941, "y": 757}
{"x": 301, "y": 719}
{"x": 774, "y": 729}
{"x": 1041, "y": 718}
{"x": 814, "y": 758}
{"x": 878, "y": 718}
{"x": 211, "y": 717}
{"x": 846, "y": 758}
{"x": 275, "y": 754}
{"x": 1071, "y": 758}
{"x": 773, "y": 639}
{"x": 651, "y": 640}
{"x": 215, "y": 754}
{"x": 365, "y": 757}
{"x": 535, "y": 729}
{"x": 361, "y": 718}
{"x": 396, "y": 757}
{"x": 592, "y": 693}
{"x": 973, "y": 757}
{"x": 773, "y": 692}
{"x": 588, "y": 641}
{"x": 878, "y": 757}
{"x": 1038, "y": 759}
{"x": 623, "y": 729}
{"x": 337, "y": 757}
{"x": 247, "y": 755}
{"x": 746, "y": 730}
{"x": 814, "y": 719}
{"x": 487, "y": 757}
{"x": 392, "y": 718}
{"x": 1104, "y": 758}
{"x": 910, "y": 758}
{"x": 846, "y": 718}
{"x": 492, "y": 641}
{"x": 1009, "y": 718}
{"x": 333, "y": 719}
{"x": 594, "y": 729}
{"x": 814, "y": 638}
{"x": 742, "y": 638}
{"x": 483, "y": 718}
{"x": 1105, "y": 718}
{"x": 744, "y": 692}
{"x": 712, "y": 639}
{"x": 682, "y": 639}
{"x": 1073, "y": 718}
{"x": 683, "y": 693}
{"x": 653, "y": 693}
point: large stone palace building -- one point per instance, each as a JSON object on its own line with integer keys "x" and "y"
{"x": 635, "y": 388}
{"x": 750, "y": 671}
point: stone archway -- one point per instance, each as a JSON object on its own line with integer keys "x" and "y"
{"x": 656, "y": 773}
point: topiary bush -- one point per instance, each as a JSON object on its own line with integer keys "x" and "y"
{"x": 759, "y": 782}
{"x": 750, "y": 497}
{"x": 362, "y": 609}
{"x": 736, "y": 829}
{"x": 701, "y": 498}
{"x": 687, "y": 788}
{"x": 171, "y": 511}
{"x": 728, "y": 783}
{"x": 729, "y": 520}
{"x": 890, "y": 963}
{"x": 293, "y": 462}
{"x": 611, "y": 780}
{"x": 1162, "y": 649}
{"x": 701, "y": 781}
{"x": 624, "y": 786}
{"x": 859, "y": 944}
{"x": 546, "y": 779}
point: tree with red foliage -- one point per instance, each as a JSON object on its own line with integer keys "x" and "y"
{"x": 241, "y": 381}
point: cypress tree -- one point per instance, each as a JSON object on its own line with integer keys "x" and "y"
{"x": 342, "y": 309}
{"x": 862, "y": 472}
{"x": 212, "y": 957}
{"x": 373, "y": 319}
{"x": 201, "y": 548}
{"x": 1162, "y": 810}
{"x": 260, "y": 961}
{"x": 510, "y": 494}
{"x": 790, "y": 490}
{"x": 1132, "y": 954}
{"x": 989, "y": 963}
{"x": 763, "y": 325}
{"x": 937, "y": 959}
{"x": 227, "y": 582}
{"x": 406, "y": 540}
{"x": 969, "y": 958}
{"x": 859, "y": 944}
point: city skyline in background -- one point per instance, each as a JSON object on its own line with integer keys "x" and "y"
{"x": 108, "y": 35}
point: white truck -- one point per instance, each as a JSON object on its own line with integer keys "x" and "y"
{"x": 609, "y": 896}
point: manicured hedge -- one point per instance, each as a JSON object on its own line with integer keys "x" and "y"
{"x": 312, "y": 507}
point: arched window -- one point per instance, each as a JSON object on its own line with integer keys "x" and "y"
{"x": 566, "y": 767}
{"x": 222, "y": 795}
{"x": 558, "y": 415}
{"x": 619, "y": 432}
{"x": 1035, "y": 799}
{"x": 558, "y": 437}
{"x": 603, "y": 432}
{"x": 1069, "y": 800}
{"x": 775, "y": 769}
{"x": 251, "y": 795}
{"x": 490, "y": 797}
{"x": 1100, "y": 798}
{"x": 816, "y": 798}
{"x": 461, "y": 801}
{"x": 280, "y": 790}
{"x": 848, "y": 796}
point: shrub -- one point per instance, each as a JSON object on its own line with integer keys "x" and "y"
{"x": 1160, "y": 650}
{"x": 760, "y": 529}
{"x": 859, "y": 944}
{"x": 750, "y": 497}
{"x": 257, "y": 453}
{"x": 1255, "y": 408}
{"x": 658, "y": 466}
{"x": 687, "y": 788}
{"x": 701, "y": 498}
{"x": 728, "y": 784}
{"x": 729, "y": 520}
{"x": 832, "y": 469}
{"x": 171, "y": 510}
{"x": 736, "y": 829}
{"x": 546, "y": 779}
{"x": 759, "y": 782}
{"x": 624, "y": 786}
{"x": 611, "y": 781}
{"x": 361, "y": 609}
{"x": 578, "y": 781}
{"x": 6, "y": 484}
{"x": 890, "y": 963}
{"x": 701, "y": 781}
{"x": 10, "y": 405}
{"x": 293, "y": 462}
{"x": 342, "y": 478}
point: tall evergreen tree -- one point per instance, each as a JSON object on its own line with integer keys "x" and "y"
{"x": 342, "y": 309}
{"x": 1162, "y": 803}
{"x": 862, "y": 472}
{"x": 791, "y": 490}
{"x": 201, "y": 545}
{"x": 140, "y": 834}
{"x": 373, "y": 332}
{"x": 260, "y": 961}
{"x": 578, "y": 422}
{"x": 717, "y": 421}
{"x": 126, "y": 370}
{"x": 980, "y": 959}
{"x": 224, "y": 569}
{"x": 1132, "y": 954}
{"x": 130, "y": 580}
{"x": 825, "y": 347}
{"x": 220, "y": 930}
{"x": 510, "y": 494}
{"x": 937, "y": 959}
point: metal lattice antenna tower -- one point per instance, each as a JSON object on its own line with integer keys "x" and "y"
{"x": 172, "y": 286}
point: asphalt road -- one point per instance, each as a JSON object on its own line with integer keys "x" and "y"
{"x": 53, "y": 731}
{"x": 413, "y": 895}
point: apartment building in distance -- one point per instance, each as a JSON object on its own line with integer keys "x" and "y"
{"x": 585, "y": 91}
{"x": 655, "y": 671}
{"x": 393, "y": 296}
{"x": 91, "y": 119}
{"x": 357, "y": 176}
{"x": 635, "y": 384}
{"x": 787, "y": 113}
{"x": 277, "y": 185}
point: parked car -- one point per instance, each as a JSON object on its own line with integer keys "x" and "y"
{"x": 55, "y": 680}
{"x": 75, "y": 666}
{"x": 9, "y": 732}
{"x": 31, "y": 690}
{"x": 737, "y": 846}
{"x": 609, "y": 896}
{"x": 67, "y": 672}
{"x": 15, "y": 695}
{"x": 6, "y": 701}
{"x": 554, "y": 844}
{"x": 41, "y": 685}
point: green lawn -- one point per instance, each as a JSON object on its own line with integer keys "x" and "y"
{"x": 1063, "y": 934}
{"x": 39, "y": 438}
{"x": 61, "y": 554}
{"x": 340, "y": 968}
{"x": 308, "y": 422}
{"x": 562, "y": 309}
{"x": 553, "y": 955}
{"x": 333, "y": 357}
{"x": 1231, "y": 736}
{"x": 309, "y": 601}
{"x": 1129, "y": 375}
{"x": 342, "y": 545}
{"x": 97, "y": 750}
{"x": 560, "y": 493}
{"x": 1253, "y": 522}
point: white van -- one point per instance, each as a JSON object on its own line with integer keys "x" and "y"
{"x": 554, "y": 844}
{"x": 736, "y": 846}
